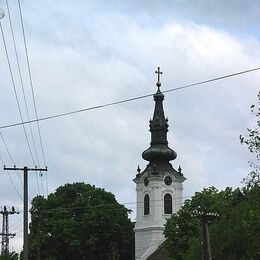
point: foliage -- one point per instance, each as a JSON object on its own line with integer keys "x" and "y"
{"x": 10, "y": 256}
{"x": 80, "y": 221}
{"x": 253, "y": 139}
{"x": 235, "y": 233}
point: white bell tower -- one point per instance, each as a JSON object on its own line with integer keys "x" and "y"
{"x": 158, "y": 187}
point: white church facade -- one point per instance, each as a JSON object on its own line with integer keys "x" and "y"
{"x": 158, "y": 187}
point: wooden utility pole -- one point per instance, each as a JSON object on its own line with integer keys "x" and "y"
{"x": 205, "y": 219}
{"x": 25, "y": 170}
{"x": 206, "y": 249}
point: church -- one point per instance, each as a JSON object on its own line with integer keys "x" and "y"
{"x": 159, "y": 186}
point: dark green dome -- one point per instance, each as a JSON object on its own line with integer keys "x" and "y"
{"x": 159, "y": 153}
{"x": 159, "y": 150}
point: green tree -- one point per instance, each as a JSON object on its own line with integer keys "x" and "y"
{"x": 235, "y": 233}
{"x": 182, "y": 230}
{"x": 253, "y": 143}
{"x": 80, "y": 221}
{"x": 10, "y": 256}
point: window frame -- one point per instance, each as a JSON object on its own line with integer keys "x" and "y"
{"x": 146, "y": 205}
{"x": 167, "y": 204}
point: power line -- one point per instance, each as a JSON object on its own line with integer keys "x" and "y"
{"x": 23, "y": 91}
{"x": 11, "y": 157}
{"x": 213, "y": 79}
{"x": 32, "y": 91}
{"x": 8, "y": 151}
{"x": 15, "y": 91}
{"x": 107, "y": 206}
{"x": 21, "y": 79}
{"x": 15, "y": 223}
{"x": 15, "y": 188}
{"x": 31, "y": 83}
{"x": 129, "y": 99}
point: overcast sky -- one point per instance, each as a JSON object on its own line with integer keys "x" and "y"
{"x": 87, "y": 53}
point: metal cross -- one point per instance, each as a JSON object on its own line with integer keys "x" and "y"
{"x": 158, "y": 72}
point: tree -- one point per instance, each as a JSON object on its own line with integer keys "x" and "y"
{"x": 182, "y": 230}
{"x": 235, "y": 233}
{"x": 10, "y": 256}
{"x": 80, "y": 221}
{"x": 253, "y": 143}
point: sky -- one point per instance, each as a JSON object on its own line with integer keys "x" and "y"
{"x": 88, "y": 53}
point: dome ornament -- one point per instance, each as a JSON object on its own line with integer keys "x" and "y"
{"x": 180, "y": 170}
{"x": 158, "y": 84}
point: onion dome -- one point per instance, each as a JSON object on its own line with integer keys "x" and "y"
{"x": 159, "y": 150}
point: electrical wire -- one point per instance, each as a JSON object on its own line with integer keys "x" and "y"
{"x": 128, "y": 99}
{"x": 16, "y": 222}
{"x": 21, "y": 79}
{"x": 31, "y": 83}
{"x": 213, "y": 79}
{"x": 16, "y": 95}
{"x": 104, "y": 105}
{"x": 11, "y": 157}
{"x": 108, "y": 206}
{"x": 32, "y": 91}
{"x": 23, "y": 91}
{"x": 9, "y": 175}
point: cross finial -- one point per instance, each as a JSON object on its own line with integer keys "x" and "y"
{"x": 158, "y": 84}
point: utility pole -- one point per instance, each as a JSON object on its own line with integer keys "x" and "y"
{"x": 25, "y": 170}
{"x": 38, "y": 222}
{"x": 205, "y": 218}
{"x": 5, "y": 230}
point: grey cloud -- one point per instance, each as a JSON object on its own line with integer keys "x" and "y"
{"x": 89, "y": 54}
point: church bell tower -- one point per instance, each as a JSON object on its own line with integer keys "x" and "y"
{"x": 159, "y": 186}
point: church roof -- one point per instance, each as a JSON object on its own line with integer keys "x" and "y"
{"x": 159, "y": 150}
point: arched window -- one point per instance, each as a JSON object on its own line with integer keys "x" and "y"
{"x": 167, "y": 203}
{"x": 146, "y": 204}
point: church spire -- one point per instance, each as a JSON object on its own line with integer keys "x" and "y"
{"x": 158, "y": 186}
{"x": 159, "y": 150}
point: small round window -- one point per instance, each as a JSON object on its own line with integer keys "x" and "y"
{"x": 168, "y": 180}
